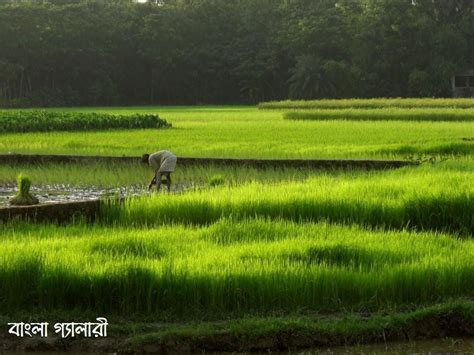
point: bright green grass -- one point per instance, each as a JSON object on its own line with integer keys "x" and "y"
{"x": 229, "y": 268}
{"x": 83, "y": 175}
{"x": 247, "y": 132}
{"x": 384, "y": 114}
{"x": 435, "y": 195}
{"x": 438, "y": 196}
{"x": 371, "y": 103}
{"x": 118, "y": 174}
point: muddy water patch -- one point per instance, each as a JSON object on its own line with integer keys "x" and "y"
{"x": 66, "y": 193}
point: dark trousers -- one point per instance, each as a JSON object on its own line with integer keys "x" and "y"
{"x": 159, "y": 176}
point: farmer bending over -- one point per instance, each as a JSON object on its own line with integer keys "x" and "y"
{"x": 163, "y": 163}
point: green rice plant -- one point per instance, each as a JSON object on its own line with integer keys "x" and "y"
{"x": 23, "y": 197}
{"x": 246, "y": 132}
{"x": 384, "y": 114}
{"x": 370, "y": 103}
{"x": 123, "y": 174}
{"x": 430, "y": 197}
{"x": 24, "y": 184}
{"x": 230, "y": 268}
{"x": 47, "y": 121}
{"x": 216, "y": 180}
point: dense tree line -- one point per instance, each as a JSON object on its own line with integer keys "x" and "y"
{"x": 97, "y": 52}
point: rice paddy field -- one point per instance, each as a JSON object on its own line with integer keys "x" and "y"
{"x": 230, "y": 268}
{"x": 383, "y": 114}
{"x": 242, "y": 255}
{"x": 371, "y": 103}
{"x": 247, "y": 132}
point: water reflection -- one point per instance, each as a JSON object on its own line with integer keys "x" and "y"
{"x": 63, "y": 193}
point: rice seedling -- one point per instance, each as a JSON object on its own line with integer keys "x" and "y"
{"x": 118, "y": 174}
{"x": 385, "y": 114}
{"x": 216, "y": 180}
{"x": 371, "y": 103}
{"x": 229, "y": 268}
{"x": 44, "y": 121}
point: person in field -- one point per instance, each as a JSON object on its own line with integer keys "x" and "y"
{"x": 163, "y": 164}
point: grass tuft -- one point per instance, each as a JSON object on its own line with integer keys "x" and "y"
{"x": 216, "y": 180}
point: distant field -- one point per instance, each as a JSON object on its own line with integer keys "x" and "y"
{"x": 384, "y": 114}
{"x": 370, "y": 103}
{"x": 246, "y": 132}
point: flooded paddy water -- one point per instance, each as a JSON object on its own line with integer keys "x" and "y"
{"x": 65, "y": 193}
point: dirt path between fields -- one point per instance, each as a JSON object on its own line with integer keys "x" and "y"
{"x": 435, "y": 326}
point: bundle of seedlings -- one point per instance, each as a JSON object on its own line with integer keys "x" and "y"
{"x": 23, "y": 197}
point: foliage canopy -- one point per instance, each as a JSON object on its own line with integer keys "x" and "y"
{"x": 217, "y": 51}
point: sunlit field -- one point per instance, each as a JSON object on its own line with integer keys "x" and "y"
{"x": 212, "y": 176}
{"x": 101, "y": 174}
{"x": 371, "y": 103}
{"x": 279, "y": 246}
{"x": 246, "y": 132}
{"x": 383, "y": 114}
{"x": 230, "y": 268}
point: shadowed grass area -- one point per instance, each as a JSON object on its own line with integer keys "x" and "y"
{"x": 389, "y": 328}
{"x": 263, "y": 334}
{"x": 228, "y": 269}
